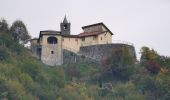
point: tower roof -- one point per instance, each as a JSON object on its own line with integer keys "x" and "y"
{"x": 65, "y": 20}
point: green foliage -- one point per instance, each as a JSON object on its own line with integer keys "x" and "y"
{"x": 80, "y": 71}
{"x": 74, "y": 91}
{"x": 153, "y": 67}
{"x": 122, "y": 91}
{"x": 3, "y": 53}
{"x": 73, "y": 72}
{"x": 165, "y": 62}
{"x": 3, "y": 25}
{"x": 151, "y": 60}
{"x": 19, "y": 31}
{"x": 23, "y": 77}
{"x": 147, "y": 54}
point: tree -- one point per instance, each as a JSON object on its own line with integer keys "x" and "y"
{"x": 147, "y": 54}
{"x": 153, "y": 67}
{"x": 3, "y": 25}
{"x": 19, "y": 31}
{"x": 150, "y": 59}
{"x": 119, "y": 62}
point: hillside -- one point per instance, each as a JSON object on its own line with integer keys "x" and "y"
{"x": 117, "y": 77}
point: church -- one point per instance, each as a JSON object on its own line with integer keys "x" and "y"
{"x": 50, "y": 44}
{"x": 61, "y": 47}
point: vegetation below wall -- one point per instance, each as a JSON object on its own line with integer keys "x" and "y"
{"x": 117, "y": 77}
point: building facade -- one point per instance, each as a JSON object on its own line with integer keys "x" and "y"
{"x": 50, "y": 44}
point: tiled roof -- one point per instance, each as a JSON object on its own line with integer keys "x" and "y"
{"x": 96, "y": 25}
{"x": 49, "y": 32}
{"x": 90, "y": 34}
{"x": 83, "y": 34}
{"x": 72, "y": 36}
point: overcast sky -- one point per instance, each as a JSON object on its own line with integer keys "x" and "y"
{"x": 141, "y": 22}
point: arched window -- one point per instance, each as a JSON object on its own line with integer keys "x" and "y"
{"x": 52, "y": 40}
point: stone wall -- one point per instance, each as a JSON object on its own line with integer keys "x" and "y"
{"x": 93, "y": 53}
{"x": 101, "y": 50}
{"x": 51, "y": 54}
{"x": 70, "y": 57}
{"x": 36, "y": 51}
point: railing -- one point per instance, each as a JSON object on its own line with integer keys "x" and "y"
{"x": 122, "y": 42}
{"x": 106, "y": 42}
{"x": 94, "y": 43}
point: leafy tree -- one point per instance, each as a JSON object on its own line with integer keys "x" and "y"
{"x": 19, "y": 31}
{"x": 120, "y": 63}
{"x": 165, "y": 62}
{"x": 3, "y": 25}
{"x": 153, "y": 67}
{"x": 147, "y": 54}
{"x": 151, "y": 60}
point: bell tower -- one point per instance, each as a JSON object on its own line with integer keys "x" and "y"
{"x": 65, "y": 27}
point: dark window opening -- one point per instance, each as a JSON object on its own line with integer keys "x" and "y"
{"x": 65, "y": 27}
{"x": 52, "y": 40}
{"x": 52, "y": 52}
{"x": 94, "y": 38}
{"x": 38, "y": 51}
{"x": 101, "y": 38}
{"x": 83, "y": 39}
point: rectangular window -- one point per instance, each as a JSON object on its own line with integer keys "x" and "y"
{"x": 101, "y": 38}
{"x": 83, "y": 39}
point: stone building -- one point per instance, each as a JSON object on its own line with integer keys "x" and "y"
{"x": 51, "y": 45}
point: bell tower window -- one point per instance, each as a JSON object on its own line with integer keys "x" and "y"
{"x": 65, "y": 27}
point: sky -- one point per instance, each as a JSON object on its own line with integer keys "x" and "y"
{"x": 141, "y": 22}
